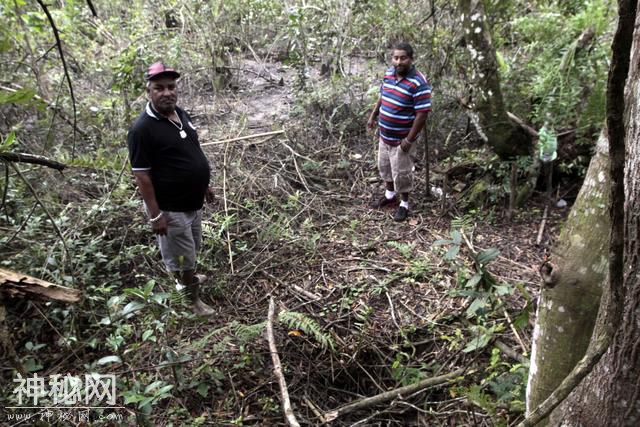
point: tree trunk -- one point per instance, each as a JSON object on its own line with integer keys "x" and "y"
{"x": 492, "y": 121}
{"x": 573, "y": 278}
{"x": 610, "y": 394}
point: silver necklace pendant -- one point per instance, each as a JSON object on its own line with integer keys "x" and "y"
{"x": 183, "y": 134}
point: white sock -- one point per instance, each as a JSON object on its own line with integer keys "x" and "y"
{"x": 389, "y": 194}
{"x": 405, "y": 204}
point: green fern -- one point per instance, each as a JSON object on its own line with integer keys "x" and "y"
{"x": 464, "y": 223}
{"x": 178, "y": 297}
{"x": 295, "y": 320}
{"x": 248, "y": 333}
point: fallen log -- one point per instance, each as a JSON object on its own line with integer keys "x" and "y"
{"x": 20, "y": 285}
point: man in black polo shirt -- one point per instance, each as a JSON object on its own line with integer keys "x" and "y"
{"x": 172, "y": 174}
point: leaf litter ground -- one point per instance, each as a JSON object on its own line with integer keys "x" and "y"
{"x": 291, "y": 221}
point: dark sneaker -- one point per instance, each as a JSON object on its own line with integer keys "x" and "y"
{"x": 401, "y": 214}
{"x": 381, "y": 202}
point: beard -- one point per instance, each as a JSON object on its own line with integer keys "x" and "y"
{"x": 166, "y": 105}
{"x": 402, "y": 70}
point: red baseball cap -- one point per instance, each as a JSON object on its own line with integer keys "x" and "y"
{"x": 158, "y": 69}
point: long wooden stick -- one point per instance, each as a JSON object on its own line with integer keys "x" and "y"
{"x": 226, "y": 206}
{"x": 277, "y": 369}
{"x": 240, "y": 138}
{"x": 392, "y": 394}
{"x": 542, "y": 224}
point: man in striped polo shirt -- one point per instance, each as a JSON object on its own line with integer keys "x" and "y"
{"x": 402, "y": 108}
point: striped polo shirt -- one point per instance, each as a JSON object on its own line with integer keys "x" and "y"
{"x": 401, "y": 100}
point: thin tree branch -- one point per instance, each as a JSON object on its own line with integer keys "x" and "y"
{"x": 93, "y": 9}
{"x": 46, "y": 211}
{"x": 24, "y": 222}
{"x": 392, "y": 394}
{"x": 6, "y": 186}
{"x": 277, "y": 369}
{"x": 66, "y": 72}
{"x": 31, "y": 158}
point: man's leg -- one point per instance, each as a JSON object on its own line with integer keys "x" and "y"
{"x": 196, "y": 280}
{"x": 384, "y": 167}
{"x": 178, "y": 249}
{"x": 402, "y": 169}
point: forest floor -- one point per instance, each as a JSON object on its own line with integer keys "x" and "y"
{"x": 395, "y": 307}
{"x": 366, "y": 304}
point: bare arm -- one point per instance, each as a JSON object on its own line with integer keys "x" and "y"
{"x": 371, "y": 123}
{"x": 417, "y": 126}
{"x": 145, "y": 186}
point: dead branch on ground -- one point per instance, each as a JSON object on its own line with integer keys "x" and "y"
{"x": 277, "y": 369}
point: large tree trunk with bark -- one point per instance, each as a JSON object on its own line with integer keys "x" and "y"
{"x": 610, "y": 394}
{"x": 572, "y": 284}
{"x": 489, "y": 114}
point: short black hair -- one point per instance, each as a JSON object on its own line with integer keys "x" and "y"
{"x": 404, "y": 46}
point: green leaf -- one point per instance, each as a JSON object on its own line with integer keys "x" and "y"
{"x": 486, "y": 256}
{"x": 32, "y": 365}
{"x": 131, "y": 308}
{"x": 476, "y": 307}
{"x": 503, "y": 289}
{"x": 153, "y": 386}
{"x": 441, "y": 242}
{"x": 133, "y": 398}
{"x": 109, "y": 359}
{"x": 148, "y": 333}
{"x": 478, "y": 342}
{"x": 145, "y": 404}
{"x": 163, "y": 391}
{"x": 474, "y": 280}
{"x": 452, "y": 252}
{"x": 20, "y": 96}
{"x": 203, "y": 389}
{"x": 135, "y": 292}
{"x": 8, "y": 141}
{"x": 148, "y": 288}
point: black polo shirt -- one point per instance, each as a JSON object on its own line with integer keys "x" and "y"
{"x": 178, "y": 167}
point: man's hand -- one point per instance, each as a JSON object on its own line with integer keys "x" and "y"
{"x": 405, "y": 145}
{"x": 209, "y": 196}
{"x": 160, "y": 226}
{"x": 371, "y": 123}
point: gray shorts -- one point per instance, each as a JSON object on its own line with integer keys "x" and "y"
{"x": 182, "y": 241}
{"x": 396, "y": 166}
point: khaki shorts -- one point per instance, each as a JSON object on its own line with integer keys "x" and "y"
{"x": 182, "y": 241}
{"x": 396, "y": 166}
